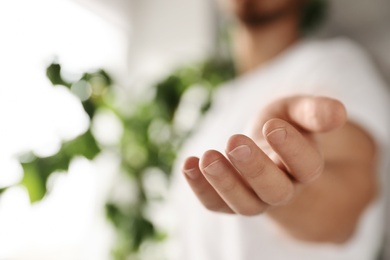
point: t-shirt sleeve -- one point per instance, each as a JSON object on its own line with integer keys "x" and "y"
{"x": 346, "y": 73}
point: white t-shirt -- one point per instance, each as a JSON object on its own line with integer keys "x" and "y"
{"x": 335, "y": 68}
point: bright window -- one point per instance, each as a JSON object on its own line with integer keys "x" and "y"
{"x": 35, "y": 116}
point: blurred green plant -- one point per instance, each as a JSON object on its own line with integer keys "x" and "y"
{"x": 313, "y": 14}
{"x": 150, "y": 140}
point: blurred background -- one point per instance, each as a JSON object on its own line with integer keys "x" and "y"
{"x": 96, "y": 97}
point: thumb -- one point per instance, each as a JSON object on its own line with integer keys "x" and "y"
{"x": 308, "y": 113}
{"x": 315, "y": 114}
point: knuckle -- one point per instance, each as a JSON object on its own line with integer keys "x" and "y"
{"x": 258, "y": 170}
{"x": 283, "y": 196}
{"x": 227, "y": 185}
{"x": 297, "y": 149}
{"x": 314, "y": 174}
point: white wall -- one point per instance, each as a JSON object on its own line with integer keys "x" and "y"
{"x": 169, "y": 32}
{"x": 367, "y": 22}
{"x": 84, "y": 34}
{"x": 163, "y": 34}
{"x": 70, "y": 222}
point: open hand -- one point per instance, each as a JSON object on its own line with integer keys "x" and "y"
{"x": 249, "y": 180}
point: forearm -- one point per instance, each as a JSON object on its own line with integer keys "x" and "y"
{"x": 328, "y": 209}
{"x": 315, "y": 178}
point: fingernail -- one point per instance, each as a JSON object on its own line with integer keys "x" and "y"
{"x": 191, "y": 173}
{"x": 277, "y": 136}
{"x": 241, "y": 153}
{"x": 213, "y": 169}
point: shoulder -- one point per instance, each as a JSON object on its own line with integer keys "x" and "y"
{"x": 341, "y": 64}
{"x": 345, "y": 47}
{"x": 336, "y": 51}
{"x": 341, "y": 69}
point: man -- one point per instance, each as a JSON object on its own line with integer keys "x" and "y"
{"x": 305, "y": 180}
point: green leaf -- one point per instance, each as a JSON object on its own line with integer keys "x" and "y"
{"x": 34, "y": 181}
{"x": 90, "y": 108}
{"x": 37, "y": 171}
{"x": 168, "y": 95}
{"x": 85, "y": 145}
{"x": 312, "y": 14}
{"x": 53, "y": 73}
{"x": 143, "y": 144}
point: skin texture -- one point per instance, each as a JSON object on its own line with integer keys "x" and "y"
{"x": 316, "y": 186}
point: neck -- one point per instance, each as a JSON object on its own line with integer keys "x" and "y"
{"x": 254, "y": 46}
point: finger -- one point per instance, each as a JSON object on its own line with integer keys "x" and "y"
{"x": 317, "y": 114}
{"x": 301, "y": 157}
{"x": 202, "y": 189}
{"x": 314, "y": 114}
{"x": 226, "y": 181}
{"x": 268, "y": 181}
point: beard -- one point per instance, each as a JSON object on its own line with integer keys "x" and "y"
{"x": 250, "y": 15}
